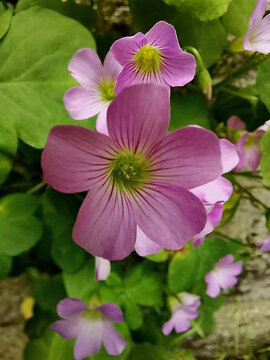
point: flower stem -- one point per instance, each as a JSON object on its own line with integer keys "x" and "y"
{"x": 235, "y": 92}
{"x": 36, "y": 188}
{"x": 255, "y": 60}
{"x": 250, "y": 195}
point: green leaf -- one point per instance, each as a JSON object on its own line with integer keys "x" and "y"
{"x": 209, "y": 306}
{"x": 59, "y": 211}
{"x": 5, "y": 19}
{"x": 189, "y": 266}
{"x": 236, "y": 19}
{"x": 82, "y": 283}
{"x": 19, "y": 229}
{"x": 162, "y": 256}
{"x": 5, "y": 265}
{"x": 79, "y": 12}
{"x": 33, "y": 83}
{"x": 263, "y": 83}
{"x": 47, "y": 290}
{"x": 203, "y": 10}
{"x": 209, "y": 38}
{"x": 188, "y": 109}
{"x": 143, "y": 285}
{"x": 265, "y": 160}
{"x": 50, "y": 346}
{"x": 132, "y": 313}
{"x": 8, "y": 148}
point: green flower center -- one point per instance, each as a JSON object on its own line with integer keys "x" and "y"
{"x": 91, "y": 314}
{"x": 106, "y": 89}
{"x": 148, "y": 59}
{"x": 129, "y": 171}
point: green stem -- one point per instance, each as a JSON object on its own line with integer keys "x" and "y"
{"x": 5, "y": 4}
{"x": 234, "y": 92}
{"x": 250, "y": 195}
{"x": 197, "y": 55}
{"x": 36, "y": 188}
{"x": 248, "y": 174}
{"x": 182, "y": 337}
{"x": 255, "y": 60}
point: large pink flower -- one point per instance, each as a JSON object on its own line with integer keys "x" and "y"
{"x": 154, "y": 57}
{"x": 92, "y": 325}
{"x": 257, "y": 37}
{"x": 138, "y": 176}
{"x": 97, "y": 86}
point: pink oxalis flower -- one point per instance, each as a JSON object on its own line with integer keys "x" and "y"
{"x": 154, "y": 57}
{"x": 97, "y": 86}
{"x": 257, "y": 37}
{"x": 248, "y": 145}
{"x": 139, "y": 176}
{"x": 182, "y": 312}
{"x": 264, "y": 245}
{"x": 91, "y": 325}
{"x": 215, "y": 193}
{"x": 223, "y": 275}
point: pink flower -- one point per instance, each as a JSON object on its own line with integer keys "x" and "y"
{"x": 182, "y": 312}
{"x": 215, "y": 193}
{"x": 97, "y": 86}
{"x": 153, "y": 57}
{"x": 139, "y": 176}
{"x": 257, "y": 37}
{"x": 265, "y": 244}
{"x": 91, "y": 325}
{"x": 222, "y": 276}
{"x": 103, "y": 268}
{"x": 248, "y": 145}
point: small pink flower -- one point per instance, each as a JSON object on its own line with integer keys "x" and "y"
{"x": 92, "y": 326}
{"x": 103, "y": 268}
{"x": 248, "y": 145}
{"x": 222, "y": 276}
{"x": 265, "y": 244}
{"x": 154, "y": 57}
{"x": 182, "y": 313}
{"x": 139, "y": 176}
{"x": 97, "y": 86}
{"x": 215, "y": 193}
{"x": 257, "y": 37}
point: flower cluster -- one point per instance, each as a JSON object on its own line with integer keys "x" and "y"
{"x": 148, "y": 189}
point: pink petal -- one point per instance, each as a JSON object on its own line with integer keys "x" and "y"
{"x": 229, "y": 155}
{"x": 86, "y": 68}
{"x": 89, "y": 339}
{"x": 213, "y": 289}
{"x": 258, "y": 12}
{"x": 68, "y": 329}
{"x": 217, "y": 190}
{"x": 124, "y": 49}
{"x": 111, "y": 66}
{"x": 235, "y": 123}
{"x": 226, "y": 260}
{"x": 188, "y": 157}
{"x": 181, "y": 323}
{"x": 215, "y": 215}
{"x": 139, "y": 116}
{"x": 101, "y": 124}
{"x": 178, "y": 70}
{"x": 163, "y": 36}
{"x": 69, "y": 307}
{"x": 144, "y": 245}
{"x": 113, "y": 341}
{"x": 112, "y": 312}
{"x": 82, "y": 103}
{"x": 103, "y": 268}
{"x": 257, "y": 39}
{"x": 105, "y": 225}
{"x": 75, "y": 158}
{"x": 167, "y": 327}
{"x": 168, "y": 215}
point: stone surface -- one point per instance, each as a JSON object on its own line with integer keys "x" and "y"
{"x": 12, "y": 337}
